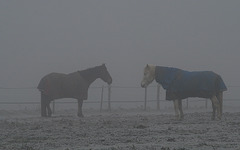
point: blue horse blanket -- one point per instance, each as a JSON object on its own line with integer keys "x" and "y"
{"x": 181, "y": 84}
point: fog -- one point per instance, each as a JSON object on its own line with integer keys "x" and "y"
{"x": 39, "y": 37}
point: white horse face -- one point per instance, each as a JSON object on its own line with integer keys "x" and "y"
{"x": 149, "y": 75}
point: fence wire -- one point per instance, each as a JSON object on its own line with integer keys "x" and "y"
{"x": 111, "y": 99}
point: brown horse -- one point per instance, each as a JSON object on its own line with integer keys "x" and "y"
{"x": 74, "y": 85}
{"x": 180, "y": 84}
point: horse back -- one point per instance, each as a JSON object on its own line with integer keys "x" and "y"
{"x": 203, "y": 84}
{"x": 59, "y": 85}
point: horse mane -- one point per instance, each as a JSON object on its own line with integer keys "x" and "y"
{"x": 86, "y": 73}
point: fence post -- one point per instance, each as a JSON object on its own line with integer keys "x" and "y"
{"x": 206, "y": 103}
{"x": 187, "y": 103}
{"x": 101, "y": 103}
{"x": 53, "y": 107}
{"x": 109, "y": 97}
{"x": 145, "y": 99}
{"x": 158, "y": 97}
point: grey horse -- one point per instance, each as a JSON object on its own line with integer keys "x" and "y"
{"x": 180, "y": 84}
{"x": 73, "y": 85}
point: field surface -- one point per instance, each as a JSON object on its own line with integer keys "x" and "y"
{"x": 119, "y": 130}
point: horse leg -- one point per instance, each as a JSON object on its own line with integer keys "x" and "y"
{"x": 220, "y": 99}
{"x": 49, "y": 109}
{"x": 180, "y": 109}
{"x": 43, "y": 105}
{"x": 80, "y": 103}
{"x": 214, "y": 110}
{"x": 216, "y": 107}
{"x": 176, "y": 108}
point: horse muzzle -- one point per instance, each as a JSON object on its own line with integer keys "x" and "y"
{"x": 143, "y": 85}
{"x": 109, "y": 81}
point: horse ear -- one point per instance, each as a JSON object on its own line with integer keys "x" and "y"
{"x": 147, "y": 66}
{"x": 104, "y": 65}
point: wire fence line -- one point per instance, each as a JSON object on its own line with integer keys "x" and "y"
{"x": 107, "y": 98}
{"x": 113, "y": 86}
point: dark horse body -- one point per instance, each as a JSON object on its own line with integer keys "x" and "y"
{"x": 74, "y": 85}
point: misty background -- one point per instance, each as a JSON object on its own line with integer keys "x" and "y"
{"x": 40, "y": 37}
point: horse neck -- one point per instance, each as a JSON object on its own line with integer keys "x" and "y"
{"x": 90, "y": 74}
{"x": 153, "y": 70}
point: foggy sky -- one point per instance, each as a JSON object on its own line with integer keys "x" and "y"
{"x": 39, "y": 37}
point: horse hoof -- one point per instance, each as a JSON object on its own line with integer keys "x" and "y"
{"x": 43, "y": 115}
{"x": 80, "y": 115}
{"x": 180, "y": 119}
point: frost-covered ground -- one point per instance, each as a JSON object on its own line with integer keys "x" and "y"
{"x": 119, "y": 130}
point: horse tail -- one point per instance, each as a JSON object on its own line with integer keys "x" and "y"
{"x": 220, "y": 85}
{"x": 43, "y": 86}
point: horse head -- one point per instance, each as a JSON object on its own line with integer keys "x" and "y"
{"x": 105, "y": 75}
{"x": 149, "y": 75}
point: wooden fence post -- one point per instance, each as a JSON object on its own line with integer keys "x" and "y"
{"x": 206, "y": 103}
{"x": 53, "y": 107}
{"x": 158, "y": 97}
{"x": 109, "y": 97}
{"x": 101, "y": 103}
{"x": 145, "y": 99}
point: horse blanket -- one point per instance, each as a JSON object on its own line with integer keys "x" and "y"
{"x": 181, "y": 84}
{"x": 59, "y": 85}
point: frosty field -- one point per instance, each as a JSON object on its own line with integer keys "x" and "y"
{"x": 118, "y": 130}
